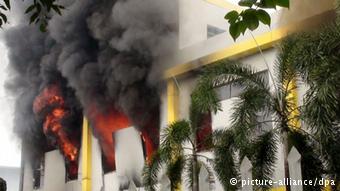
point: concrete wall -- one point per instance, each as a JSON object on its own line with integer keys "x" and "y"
{"x": 73, "y": 185}
{"x": 12, "y": 177}
{"x": 28, "y": 177}
{"x": 97, "y": 170}
{"x": 111, "y": 182}
{"x": 54, "y": 174}
{"x": 196, "y": 15}
{"x": 129, "y": 154}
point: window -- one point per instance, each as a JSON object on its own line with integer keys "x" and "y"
{"x": 204, "y": 133}
{"x": 213, "y": 31}
{"x": 38, "y": 173}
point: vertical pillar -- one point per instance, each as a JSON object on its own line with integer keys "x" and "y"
{"x": 292, "y": 100}
{"x": 172, "y": 94}
{"x": 54, "y": 172}
{"x": 173, "y": 102}
{"x": 86, "y": 156}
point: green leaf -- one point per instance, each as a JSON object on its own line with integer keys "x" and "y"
{"x": 234, "y": 30}
{"x": 3, "y": 17}
{"x": 282, "y": 3}
{"x": 43, "y": 27}
{"x": 34, "y": 17}
{"x": 49, "y": 3}
{"x": 232, "y": 16}
{"x": 267, "y": 4}
{"x": 246, "y": 3}
{"x": 38, "y": 7}
{"x": 3, "y": 7}
{"x": 250, "y": 19}
{"x": 263, "y": 16}
{"x": 30, "y": 8}
{"x": 56, "y": 9}
{"x": 37, "y": 21}
{"x": 8, "y": 5}
{"x": 242, "y": 26}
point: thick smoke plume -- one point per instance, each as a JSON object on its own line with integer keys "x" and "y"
{"x": 106, "y": 54}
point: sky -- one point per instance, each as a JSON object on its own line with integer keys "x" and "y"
{"x": 9, "y": 143}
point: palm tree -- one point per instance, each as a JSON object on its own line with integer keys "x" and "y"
{"x": 316, "y": 58}
{"x": 178, "y": 151}
{"x": 257, "y": 106}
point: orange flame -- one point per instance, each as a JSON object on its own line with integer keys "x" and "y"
{"x": 50, "y": 105}
{"x": 112, "y": 120}
{"x": 105, "y": 124}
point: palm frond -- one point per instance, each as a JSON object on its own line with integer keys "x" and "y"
{"x": 151, "y": 170}
{"x": 245, "y": 118}
{"x": 188, "y": 170}
{"x": 224, "y": 72}
{"x": 264, "y": 156}
{"x": 234, "y": 72}
{"x": 331, "y": 150}
{"x": 174, "y": 136}
{"x": 315, "y": 57}
{"x": 320, "y": 111}
{"x": 284, "y": 67}
{"x": 311, "y": 163}
{"x": 174, "y": 171}
{"x": 224, "y": 162}
{"x": 204, "y": 96}
{"x": 195, "y": 117}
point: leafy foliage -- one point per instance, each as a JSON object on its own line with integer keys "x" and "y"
{"x": 224, "y": 162}
{"x": 311, "y": 164}
{"x": 264, "y": 156}
{"x": 252, "y": 16}
{"x": 315, "y": 55}
{"x": 39, "y": 12}
{"x": 178, "y": 152}
{"x": 5, "y": 6}
{"x": 256, "y": 107}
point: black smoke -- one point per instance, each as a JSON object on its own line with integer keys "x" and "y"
{"x": 105, "y": 53}
{"x": 30, "y": 72}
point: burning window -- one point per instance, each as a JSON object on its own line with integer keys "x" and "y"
{"x": 71, "y": 170}
{"x": 106, "y": 123}
{"x": 38, "y": 173}
{"x": 61, "y": 124}
{"x": 107, "y": 168}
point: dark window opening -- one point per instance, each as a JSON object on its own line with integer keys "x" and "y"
{"x": 38, "y": 173}
{"x": 143, "y": 146}
{"x": 204, "y": 133}
{"x": 213, "y": 31}
{"x": 107, "y": 168}
{"x": 71, "y": 171}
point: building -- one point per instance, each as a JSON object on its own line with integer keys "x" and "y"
{"x": 203, "y": 39}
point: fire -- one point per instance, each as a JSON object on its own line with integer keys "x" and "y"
{"x": 105, "y": 124}
{"x": 50, "y": 105}
{"x": 112, "y": 120}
